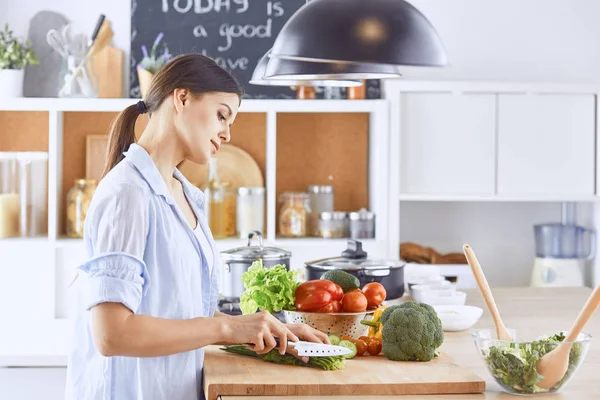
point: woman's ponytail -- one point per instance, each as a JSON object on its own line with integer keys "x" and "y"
{"x": 122, "y": 135}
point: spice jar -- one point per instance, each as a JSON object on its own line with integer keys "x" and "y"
{"x": 250, "y": 210}
{"x": 306, "y": 93}
{"x": 294, "y": 214}
{"x": 358, "y": 92}
{"x": 321, "y": 200}
{"x": 78, "y": 203}
{"x": 362, "y": 224}
{"x": 333, "y": 224}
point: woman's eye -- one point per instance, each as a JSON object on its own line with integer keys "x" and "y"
{"x": 221, "y": 117}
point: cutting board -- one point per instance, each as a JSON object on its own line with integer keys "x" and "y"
{"x": 228, "y": 374}
{"x": 108, "y": 64}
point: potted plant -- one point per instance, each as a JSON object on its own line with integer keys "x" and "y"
{"x": 151, "y": 63}
{"x": 15, "y": 55}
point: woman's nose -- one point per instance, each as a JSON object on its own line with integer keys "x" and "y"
{"x": 226, "y": 135}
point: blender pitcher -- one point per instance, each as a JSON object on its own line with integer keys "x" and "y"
{"x": 561, "y": 251}
{"x": 564, "y": 241}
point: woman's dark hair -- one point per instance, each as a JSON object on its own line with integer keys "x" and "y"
{"x": 195, "y": 72}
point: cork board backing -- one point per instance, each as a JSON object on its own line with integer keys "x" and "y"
{"x": 324, "y": 149}
{"x": 23, "y": 131}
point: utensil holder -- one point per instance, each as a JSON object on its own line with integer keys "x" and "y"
{"x": 81, "y": 82}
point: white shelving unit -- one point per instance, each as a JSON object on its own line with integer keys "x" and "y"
{"x": 36, "y": 271}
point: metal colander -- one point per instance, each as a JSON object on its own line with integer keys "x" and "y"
{"x": 339, "y": 324}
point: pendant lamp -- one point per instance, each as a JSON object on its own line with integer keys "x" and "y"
{"x": 258, "y": 76}
{"x": 282, "y": 69}
{"x": 389, "y": 32}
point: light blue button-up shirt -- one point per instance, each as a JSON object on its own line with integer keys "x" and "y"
{"x": 144, "y": 254}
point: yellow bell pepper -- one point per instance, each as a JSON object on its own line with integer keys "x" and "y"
{"x": 375, "y": 327}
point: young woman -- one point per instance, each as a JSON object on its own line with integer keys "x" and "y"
{"x": 147, "y": 293}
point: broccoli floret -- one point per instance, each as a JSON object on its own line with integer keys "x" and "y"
{"x": 412, "y": 331}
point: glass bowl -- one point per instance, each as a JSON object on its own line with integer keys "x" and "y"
{"x": 512, "y": 363}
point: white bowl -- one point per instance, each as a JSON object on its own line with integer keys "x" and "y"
{"x": 457, "y": 318}
{"x": 418, "y": 290}
{"x": 424, "y": 280}
{"x": 437, "y": 297}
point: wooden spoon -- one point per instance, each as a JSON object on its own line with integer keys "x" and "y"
{"x": 501, "y": 330}
{"x": 553, "y": 365}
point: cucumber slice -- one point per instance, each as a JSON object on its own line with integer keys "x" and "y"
{"x": 334, "y": 339}
{"x": 349, "y": 345}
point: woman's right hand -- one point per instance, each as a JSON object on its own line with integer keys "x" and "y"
{"x": 258, "y": 331}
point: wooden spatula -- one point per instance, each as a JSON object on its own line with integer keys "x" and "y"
{"x": 486, "y": 293}
{"x": 553, "y": 365}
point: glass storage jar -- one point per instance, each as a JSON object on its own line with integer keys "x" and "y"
{"x": 78, "y": 203}
{"x": 294, "y": 214}
{"x": 33, "y": 193}
{"x": 333, "y": 225}
{"x": 362, "y": 224}
{"x": 230, "y": 212}
{"x": 321, "y": 200}
{"x": 250, "y": 210}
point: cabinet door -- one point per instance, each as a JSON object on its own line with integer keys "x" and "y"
{"x": 546, "y": 145}
{"x": 448, "y": 144}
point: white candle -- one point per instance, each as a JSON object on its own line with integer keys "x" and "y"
{"x": 9, "y": 215}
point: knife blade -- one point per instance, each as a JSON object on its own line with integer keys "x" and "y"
{"x": 311, "y": 349}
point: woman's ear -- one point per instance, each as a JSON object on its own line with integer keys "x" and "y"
{"x": 180, "y": 98}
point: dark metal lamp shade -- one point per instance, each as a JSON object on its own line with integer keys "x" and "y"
{"x": 258, "y": 76}
{"x": 389, "y": 32}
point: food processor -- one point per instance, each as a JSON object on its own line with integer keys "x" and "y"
{"x": 561, "y": 252}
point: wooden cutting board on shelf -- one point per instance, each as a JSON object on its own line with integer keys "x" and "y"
{"x": 228, "y": 374}
{"x": 108, "y": 64}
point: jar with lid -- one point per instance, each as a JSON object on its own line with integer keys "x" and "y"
{"x": 293, "y": 216}
{"x": 230, "y": 212}
{"x": 78, "y": 203}
{"x": 333, "y": 224}
{"x": 321, "y": 200}
{"x": 362, "y": 224}
{"x": 215, "y": 199}
{"x": 250, "y": 210}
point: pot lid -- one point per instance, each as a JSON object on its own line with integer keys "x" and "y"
{"x": 354, "y": 258}
{"x": 251, "y": 253}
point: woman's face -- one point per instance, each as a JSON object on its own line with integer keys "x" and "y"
{"x": 203, "y": 123}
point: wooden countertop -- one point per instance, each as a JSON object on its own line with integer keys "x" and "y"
{"x": 529, "y": 310}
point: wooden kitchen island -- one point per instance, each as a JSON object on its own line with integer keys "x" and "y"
{"x": 529, "y": 310}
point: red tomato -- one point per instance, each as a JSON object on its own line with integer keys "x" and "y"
{"x": 375, "y": 293}
{"x": 310, "y": 286}
{"x": 354, "y": 302}
{"x": 311, "y": 301}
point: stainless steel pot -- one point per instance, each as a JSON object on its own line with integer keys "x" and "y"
{"x": 390, "y": 273}
{"x": 237, "y": 261}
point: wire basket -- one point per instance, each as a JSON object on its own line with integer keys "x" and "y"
{"x": 339, "y": 324}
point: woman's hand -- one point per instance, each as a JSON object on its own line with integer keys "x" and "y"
{"x": 258, "y": 331}
{"x": 308, "y": 334}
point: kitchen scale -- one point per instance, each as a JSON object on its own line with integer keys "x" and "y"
{"x": 562, "y": 250}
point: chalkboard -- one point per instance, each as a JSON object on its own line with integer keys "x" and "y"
{"x": 236, "y": 33}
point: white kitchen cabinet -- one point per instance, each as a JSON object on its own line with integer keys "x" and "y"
{"x": 447, "y": 144}
{"x": 546, "y": 145}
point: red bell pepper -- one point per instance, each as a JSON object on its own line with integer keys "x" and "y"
{"x": 318, "y": 296}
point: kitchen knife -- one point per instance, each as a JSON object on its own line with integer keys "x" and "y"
{"x": 311, "y": 349}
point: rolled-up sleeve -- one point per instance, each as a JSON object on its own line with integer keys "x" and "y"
{"x": 116, "y": 229}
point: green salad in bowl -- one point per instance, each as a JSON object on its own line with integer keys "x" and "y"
{"x": 513, "y": 363}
